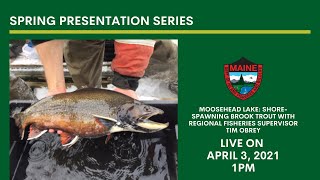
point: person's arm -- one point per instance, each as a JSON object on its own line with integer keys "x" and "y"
{"x": 51, "y": 56}
{"x": 131, "y": 60}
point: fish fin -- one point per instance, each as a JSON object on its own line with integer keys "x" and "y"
{"x": 105, "y": 118}
{"x": 22, "y": 133}
{"x": 35, "y": 133}
{"x": 103, "y": 122}
{"x": 116, "y": 129}
{"x": 66, "y": 138}
{"x": 108, "y": 138}
{"x": 72, "y": 142}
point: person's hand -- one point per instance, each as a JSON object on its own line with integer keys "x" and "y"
{"x": 53, "y": 131}
{"x": 51, "y": 56}
{"x": 52, "y": 92}
{"x": 127, "y": 92}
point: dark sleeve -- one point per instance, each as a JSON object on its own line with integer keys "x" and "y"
{"x": 125, "y": 82}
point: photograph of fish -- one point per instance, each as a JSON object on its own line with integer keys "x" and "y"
{"x": 93, "y": 109}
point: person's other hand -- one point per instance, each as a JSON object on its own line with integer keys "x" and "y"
{"x": 127, "y": 92}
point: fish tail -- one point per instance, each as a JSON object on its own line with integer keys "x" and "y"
{"x": 18, "y": 121}
{"x": 21, "y": 133}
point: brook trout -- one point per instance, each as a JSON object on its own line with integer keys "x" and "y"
{"x": 88, "y": 113}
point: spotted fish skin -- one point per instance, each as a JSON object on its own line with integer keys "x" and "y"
{"x": 74, "y": 112}
{"x": 88, "y": 113}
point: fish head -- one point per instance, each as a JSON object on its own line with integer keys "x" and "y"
{"x": 135, "y": 117}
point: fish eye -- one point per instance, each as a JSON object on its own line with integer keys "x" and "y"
{"x": 131, "y": 108}
{"x": 146, "y": 108}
